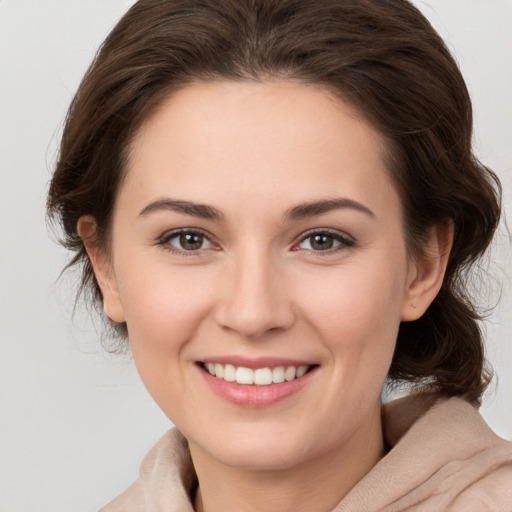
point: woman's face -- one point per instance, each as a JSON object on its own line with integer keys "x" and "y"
{"x": 258, "y": 235}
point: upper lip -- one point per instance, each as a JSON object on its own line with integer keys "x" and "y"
{"x": 255, "y": 363}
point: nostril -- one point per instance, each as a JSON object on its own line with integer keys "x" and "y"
{"x": 252, "y": 321}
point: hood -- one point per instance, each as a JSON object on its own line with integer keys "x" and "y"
{"x": 441, "y": 456}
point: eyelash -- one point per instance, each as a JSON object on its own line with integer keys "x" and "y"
{"x": 165, "y": 240}
{"x": 344, "y": 241}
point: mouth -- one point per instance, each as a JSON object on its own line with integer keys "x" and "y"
{"x": 256, "y": 383}
{"x": 263, "y": 385}
{"x": 264, "y": 376}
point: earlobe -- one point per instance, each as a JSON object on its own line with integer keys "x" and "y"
{"x": 102, "y": 266}
{"x": 427, "y": 273}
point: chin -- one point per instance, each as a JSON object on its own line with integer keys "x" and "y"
{"x": 257, "y": 451}
{"x": 260, "y": 458}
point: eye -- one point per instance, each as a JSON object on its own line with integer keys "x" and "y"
{"x": 324, "y": 241}
{"x": 186, "y": 241}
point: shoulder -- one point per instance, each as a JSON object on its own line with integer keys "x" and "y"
{"x": 492, "y": 489}
{"x": 166, "y": 479}
{"x": 131, "y": 500}
{"x": 442, "y": 457}
{"x": 465, "y": 465}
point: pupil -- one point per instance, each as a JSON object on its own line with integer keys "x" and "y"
{"x": 322, "y": 242}
{"x": 191, "y": 241}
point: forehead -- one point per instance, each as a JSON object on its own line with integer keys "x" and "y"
{"x": 257, "y": 138}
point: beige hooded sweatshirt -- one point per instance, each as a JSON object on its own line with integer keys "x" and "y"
{"x": 442, "y": 457}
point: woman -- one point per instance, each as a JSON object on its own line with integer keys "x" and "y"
{"x": 276, "y": 202}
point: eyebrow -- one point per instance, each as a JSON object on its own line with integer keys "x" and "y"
{"x": 202, "y": 211}
{"x": 301, "y": 211}
{"x": 307, "y": 210}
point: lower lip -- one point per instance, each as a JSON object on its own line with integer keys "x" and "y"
{"x": 256, "y": 396}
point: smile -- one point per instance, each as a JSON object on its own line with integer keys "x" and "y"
{"x": 258, "y": 376}
{"x": 256, "y": 383}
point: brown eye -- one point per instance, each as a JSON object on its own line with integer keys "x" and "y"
{"x": 321, "y": 242}
{"x": 191, "y": 241}
{"x": 186, "y": 241}
{"x": 325, "y": 241}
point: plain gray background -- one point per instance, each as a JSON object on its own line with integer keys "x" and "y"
{"x": 74, "y": 422}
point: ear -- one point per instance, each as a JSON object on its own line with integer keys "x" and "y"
{"x": 102, "y": 266}
{"x": 426, "y": 273}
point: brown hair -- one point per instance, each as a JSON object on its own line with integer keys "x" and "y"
{"x": 382, "y": 56}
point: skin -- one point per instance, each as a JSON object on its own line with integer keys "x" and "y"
{"x": 257, "y": 287}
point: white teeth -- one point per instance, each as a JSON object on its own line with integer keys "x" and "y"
{"x": 263, "y": 376}
{"x": 278, "y": 375}
{"x": 219, "y": 370}
{"x": 290, "y": 372}
{"x": 244, "y": 375}
{"x": 301, "y": 370}
{"x": 229, "y": 373}
{"x": 259, "y": 377}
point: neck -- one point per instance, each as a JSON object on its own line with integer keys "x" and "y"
{"x": 317, "y": 484}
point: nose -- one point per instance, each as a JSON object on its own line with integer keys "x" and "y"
{"x": 255, "y": 297}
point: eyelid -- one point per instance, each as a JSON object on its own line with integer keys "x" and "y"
{"x": 164, "y": 239}
{"x": 346, "y": 241}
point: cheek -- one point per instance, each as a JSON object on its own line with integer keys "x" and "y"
{"x": 162, "y": 301}
{"x": 357, "y": 306}
{"x": 357, "y": 314}
{"x": 163, "y": 307}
